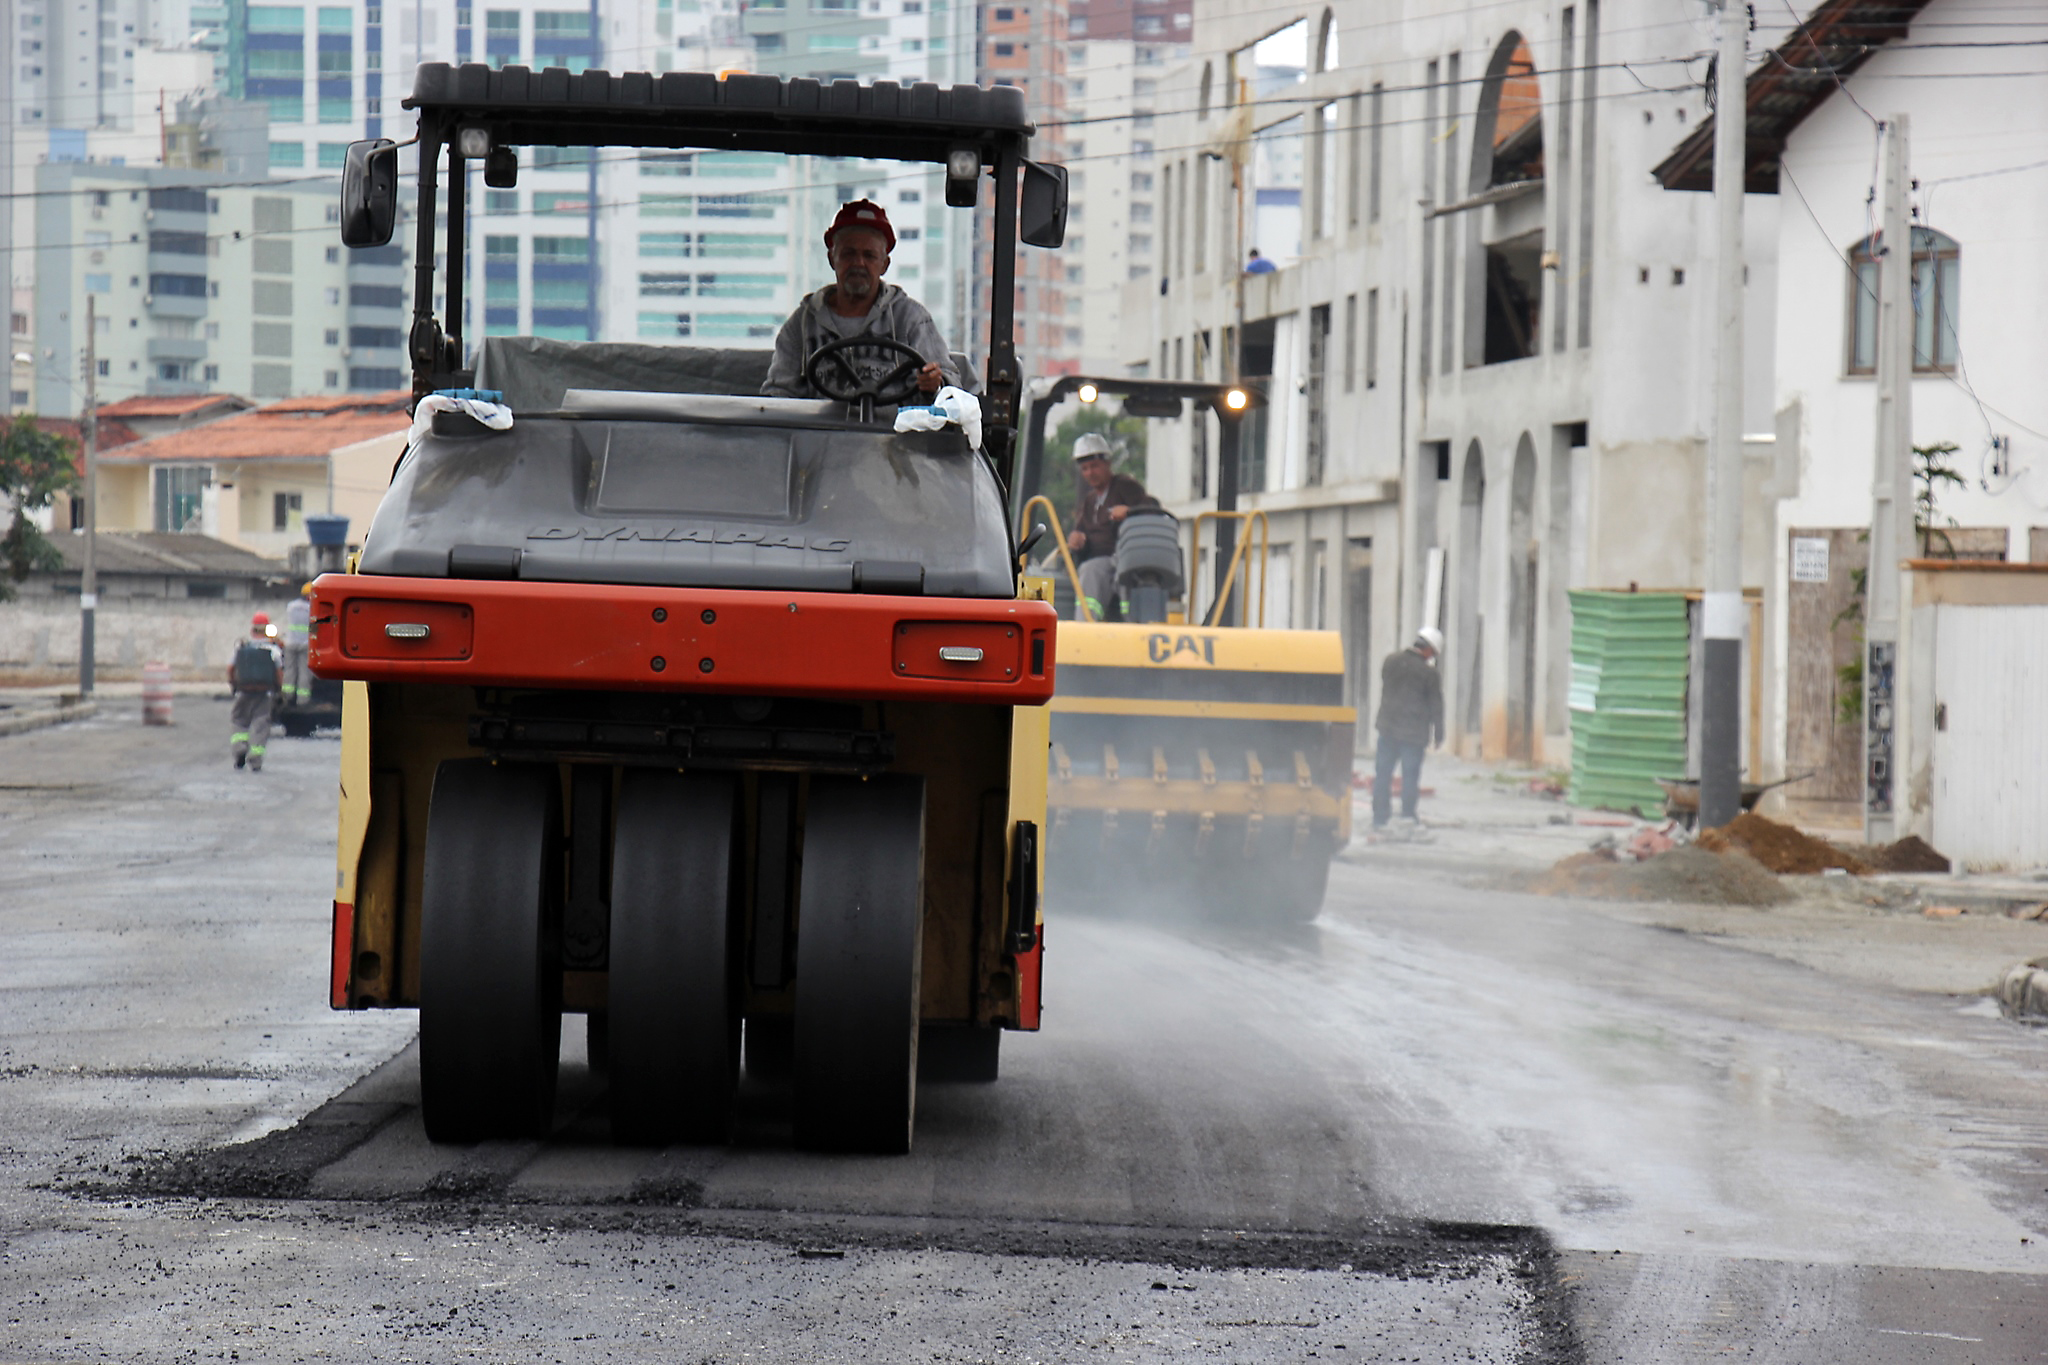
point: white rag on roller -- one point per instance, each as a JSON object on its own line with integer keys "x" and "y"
{"x": 948, "y": 406}
{"x": 496, "y": 416}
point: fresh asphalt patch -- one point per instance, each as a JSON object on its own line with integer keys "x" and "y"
{"x": 363, "y": 1156}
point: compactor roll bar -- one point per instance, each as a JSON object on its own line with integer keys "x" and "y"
{"x": 474, "y": 113}
{"x": 1154, "y": 398}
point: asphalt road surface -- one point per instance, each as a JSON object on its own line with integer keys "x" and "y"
{"x": 1439, "y": 1125}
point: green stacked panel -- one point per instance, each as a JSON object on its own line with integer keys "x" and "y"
{"x": 1630, "y": 654}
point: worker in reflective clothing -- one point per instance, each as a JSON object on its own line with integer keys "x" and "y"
{"x": 255, "y": 674}
{"x": 1411, "y": 718}
{"x": 1105, "y": 499}
{"x": 298, "y": 631}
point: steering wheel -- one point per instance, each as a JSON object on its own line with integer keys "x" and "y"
{"x": 896, "y": 386}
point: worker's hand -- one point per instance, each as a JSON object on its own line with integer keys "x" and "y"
{"x": 929, "y": 379}
{"x": 1119, "y": 512}
{"x": 1076, "y": 540}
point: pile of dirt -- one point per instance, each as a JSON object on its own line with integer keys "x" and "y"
{"x": 1779, "y": 848}
{"x": 1687, "y": 874}
{"x": 1910, "y": 854}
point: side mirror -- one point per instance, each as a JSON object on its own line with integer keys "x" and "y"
{"x": 501, "y": 168}
{"x": 1042, "y": 213}
{"x": 369, "y": 192}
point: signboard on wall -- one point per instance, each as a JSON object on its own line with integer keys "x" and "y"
{"x": 1809, "y": 559}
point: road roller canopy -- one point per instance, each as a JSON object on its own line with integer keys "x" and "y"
{"x": 474, "y": 113}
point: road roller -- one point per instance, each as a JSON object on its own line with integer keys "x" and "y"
{"x": 1199, "y": 760}
{"x": 716, "y": 719}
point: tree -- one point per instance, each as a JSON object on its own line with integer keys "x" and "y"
{"x": 35, "y": 466}
{"x": 1058, "y": 481}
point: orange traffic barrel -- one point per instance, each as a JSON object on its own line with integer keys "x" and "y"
{"x": 156, "y": 694}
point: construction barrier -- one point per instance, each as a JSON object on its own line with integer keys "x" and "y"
{"x": 156, "y": 694}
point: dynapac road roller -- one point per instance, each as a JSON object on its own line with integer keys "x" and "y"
{"x": 705, "y": 715}
{"x": 1198, "y": 758}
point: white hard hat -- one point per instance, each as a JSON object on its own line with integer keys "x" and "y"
{"x": 1431, "y": 636}
{"x": 1091, "y": 445}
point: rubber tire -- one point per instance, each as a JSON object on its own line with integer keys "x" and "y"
{"x": 1297, "y": 893}
{"x": 490, "y": 951}
{"x": 859, "y": 956}
{"x": 960, "y": 1053}
{"x": 674, "y": 995}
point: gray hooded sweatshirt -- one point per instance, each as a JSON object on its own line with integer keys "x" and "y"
{"x": 895, "y": 315}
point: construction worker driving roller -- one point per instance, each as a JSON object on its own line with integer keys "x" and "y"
{"x": 1106, "y": 498}
{"x": 858, "y": 304}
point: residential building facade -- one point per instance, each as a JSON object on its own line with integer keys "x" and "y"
{"x": 1487, "y": 357}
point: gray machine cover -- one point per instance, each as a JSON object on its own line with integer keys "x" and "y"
{"x": 694, "y": 491}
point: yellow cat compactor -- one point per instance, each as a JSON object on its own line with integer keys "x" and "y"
{"x": 1197, "y": 756}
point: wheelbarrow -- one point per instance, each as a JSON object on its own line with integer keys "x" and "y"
{"x": 1682, "y": 796}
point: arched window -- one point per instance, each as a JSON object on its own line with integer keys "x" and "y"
{"x": 1937, "y": 303}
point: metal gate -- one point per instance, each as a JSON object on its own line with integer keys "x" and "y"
{"x": 1991, "y": 735}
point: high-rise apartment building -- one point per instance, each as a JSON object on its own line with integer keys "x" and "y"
{"x": 1025, "y": 45}
{"x": 203, "y": 282}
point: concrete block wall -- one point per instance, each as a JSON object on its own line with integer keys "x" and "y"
{"x": 195, "y": 636}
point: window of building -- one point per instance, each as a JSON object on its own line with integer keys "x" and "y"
{"x": 287, "y": 154}
{"x": 1937, "y": 303}
{"x": 276, "y": 19}
{"x": 1318, "y": 393}
{"x": 1350, "y": 342}
{"x": 212, "y": 373}
{"x": 287, "y": 510}
{"x": 177, "y": 495}
{"x": 1372, "y": 338}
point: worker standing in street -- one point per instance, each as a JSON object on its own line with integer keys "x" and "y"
{"x": 1105, "y": 499}
{"x": 255, "y": 674}
{"x": 298, "y": 630}
{"x": 1411, "y": 719}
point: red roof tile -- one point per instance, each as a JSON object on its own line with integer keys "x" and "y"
{"x": 170, "y": 405}
{"x": 294, "y": 428}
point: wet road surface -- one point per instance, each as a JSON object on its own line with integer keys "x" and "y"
{"x": 1440, "y": 1124}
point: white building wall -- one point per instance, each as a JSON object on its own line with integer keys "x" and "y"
{"x": 1966, "y": 133}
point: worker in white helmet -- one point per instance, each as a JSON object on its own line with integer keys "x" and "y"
{"x": 1411, "y": 719}
{"x": 1106, "y": 498}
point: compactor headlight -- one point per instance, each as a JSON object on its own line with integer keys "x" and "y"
{"x": 1236, "y": 399}
{"x": 473, "y": 143}
{"x": 1088, "y": 393}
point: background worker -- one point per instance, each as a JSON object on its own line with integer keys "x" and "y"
{"x": 1106, "y": 498}
{"x": 858, "y": 303}
{"x": 298, "y": 633}
{"x": 1411, "y": 718}
{"x": 254, "y": 674}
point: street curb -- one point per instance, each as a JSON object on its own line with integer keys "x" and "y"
{"x": 2024, "y": 992}
{"x": 47, "y": 716}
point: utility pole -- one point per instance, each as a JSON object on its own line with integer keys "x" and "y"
{"x": 1891, "y": 513}
{"x": 1721, "y": 614}
{"x": 88, "y": 580}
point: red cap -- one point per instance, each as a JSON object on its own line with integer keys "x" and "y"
{"x": 862, "y": 213}
{"x": 259, "y": 619}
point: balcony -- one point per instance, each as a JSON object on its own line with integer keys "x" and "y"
{"x": 182, "y": 349}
